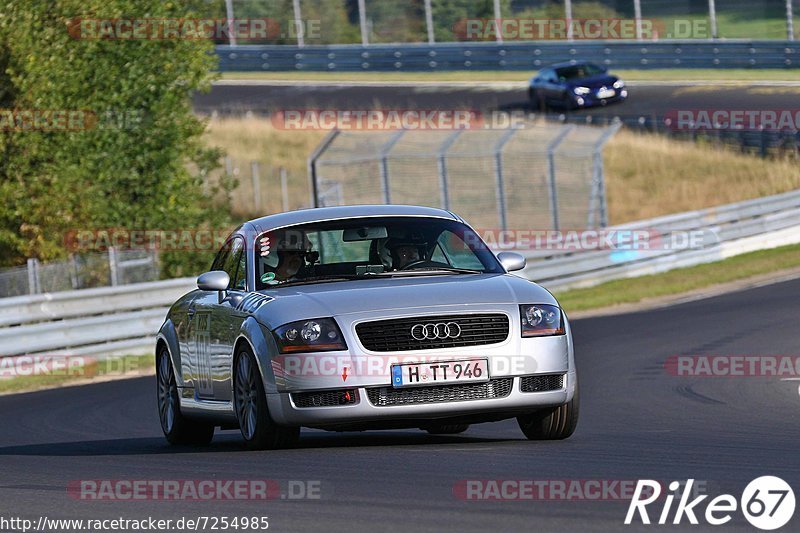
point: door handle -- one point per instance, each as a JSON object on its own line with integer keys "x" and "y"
{"x": 191, "y": 312}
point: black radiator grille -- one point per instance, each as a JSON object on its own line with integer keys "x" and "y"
{"x": 387, "y": 396}
{"x": 542, "y": 383}
{"x": 329, "y": 398}
{"x": 394, "y": 335}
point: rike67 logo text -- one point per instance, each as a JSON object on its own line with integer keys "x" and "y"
{"x": 767, "y": 503}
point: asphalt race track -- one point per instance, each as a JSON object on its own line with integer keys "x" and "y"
{"x": 637, "y": 421}
{"x": 646, "y": 99}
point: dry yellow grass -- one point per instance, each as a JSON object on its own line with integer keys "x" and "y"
{"x": 650, "y": 175}
{"x": 255, "y": 139}
{"x": 646, "y": 175}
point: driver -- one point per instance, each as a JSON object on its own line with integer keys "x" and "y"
{"x": 396, "y": 254}
{"x": 283, "y": 255}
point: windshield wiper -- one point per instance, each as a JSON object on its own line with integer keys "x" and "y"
{"x": 434, "y": 270}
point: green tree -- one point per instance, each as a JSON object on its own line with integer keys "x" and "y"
{"x": 139, "y": 159}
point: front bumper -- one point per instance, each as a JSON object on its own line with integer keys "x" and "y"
{"x": 284, "y": 410}
{"x": 368, "y": 373}
{"x": 592, "y": 99}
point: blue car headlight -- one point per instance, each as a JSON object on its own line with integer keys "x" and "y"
{"x": 313, "y": 335}
{"x": 541, "y": 320}
{"x": 619, "y": 84}
{"x": 581, "y": 90}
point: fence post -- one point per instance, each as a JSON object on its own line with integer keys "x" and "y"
{"x": 429, "y": 21}
{"x": 712, "y": 17}
{"x": 568, "y": 16}
{"x": 312, "y": 165}
{"x": 299, "y": 27}
{"x": 551, "y": 172}
{"x": 498, "y": 25}
{"x": 498, "y": 172}
{"x": 444, "y": 192}
{"x": 284, "y": 189}
{"x": 385, "y": 182}
{"x": 362, "y": 22}
{"x": 598, "y": 178}
{"x": 34, "y": 285}
{"x": 637, "y": 15}
{"x": 789, "y": 21}
{"x": 112, "y": 266}
{"x": 256, "y": 186}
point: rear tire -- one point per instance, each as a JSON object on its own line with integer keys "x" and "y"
{"x": 555, "y": 423}
{"x": 259, "y": 431}
{"x": 447, "y": 429}
{"x": 177, "y": 428}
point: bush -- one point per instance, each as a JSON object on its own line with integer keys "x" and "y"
{"x": 129, "y": 165}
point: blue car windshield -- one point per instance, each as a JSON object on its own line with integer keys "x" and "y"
{"x": 369, "y": 247}
{"x": 575, "y": 72}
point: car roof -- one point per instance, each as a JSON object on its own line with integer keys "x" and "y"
{"x": 321, "y": 214}
{"x": 569, "y": 64}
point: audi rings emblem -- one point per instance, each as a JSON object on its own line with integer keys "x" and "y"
{"x": 441, "y": 331}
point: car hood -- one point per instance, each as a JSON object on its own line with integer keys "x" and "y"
{"x": 593, "y": 82}
{"x": 359, "y": 296}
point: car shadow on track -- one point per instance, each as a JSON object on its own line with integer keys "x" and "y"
{"x": 230, "y": 442}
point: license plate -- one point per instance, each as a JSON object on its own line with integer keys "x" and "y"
{"x": 605, "y": 93}
{"x": 439, "y": 372}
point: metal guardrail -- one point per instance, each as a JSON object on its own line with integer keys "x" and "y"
{"x": 106, "y": 320}
{"x": 510, "y": 56}
{"x": 737, "y": 228}
{"x": 113, "y": 320}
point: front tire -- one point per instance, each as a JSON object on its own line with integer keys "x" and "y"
{"x": 555, "y": 423}
{"x": 177, "y": 428}
{"x": 259, "y": 431}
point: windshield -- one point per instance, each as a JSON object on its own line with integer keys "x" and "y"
{"x": 369, "y": 247}
{"x": 576, "y": 72}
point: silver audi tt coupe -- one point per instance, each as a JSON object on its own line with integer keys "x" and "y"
{"x": 363, "y": 317}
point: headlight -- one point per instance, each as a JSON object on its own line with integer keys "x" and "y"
{"x": 315, "y": 335}
{"x": 581, "y": 90}
{"x": 619, "y": 84}
{"x": 541, "y": 320}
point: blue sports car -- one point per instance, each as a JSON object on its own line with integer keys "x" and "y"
{"x": 575, "y": 85}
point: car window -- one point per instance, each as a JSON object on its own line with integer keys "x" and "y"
{"x": 232, "y": 263}
{"x": 221, "y": 257}
{"x": 240, "y": 279}
{"x": 458, "y": 254}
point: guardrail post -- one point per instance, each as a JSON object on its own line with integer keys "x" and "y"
{"x": 312, "y": 165}
{"x": 256, "y": 186}
{"x": 551, "y": 171}
{"x": 498, "y": 172}
{"x": 112, "y": 266}
{"x": 34, "y": 284}
{"x": 789, "y": 21}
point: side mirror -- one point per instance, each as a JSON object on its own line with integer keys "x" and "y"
{"x": 216, "y": 280}
{"x": 511, "y": 261}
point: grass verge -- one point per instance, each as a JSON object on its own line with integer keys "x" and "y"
{"x": 684, "y": 74}
{"x": 681, "y": 280}
{"x": 92, "y": 370}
